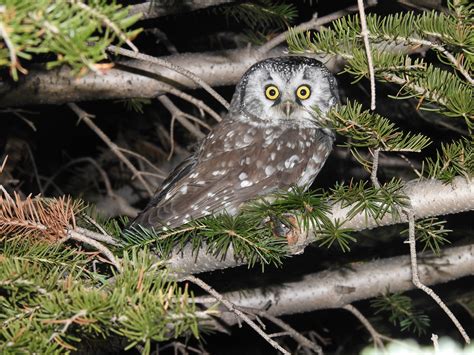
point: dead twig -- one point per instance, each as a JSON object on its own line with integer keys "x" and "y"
{"x": 370, "y": 63}
{"x": 231, "y": 307}
{"x": 86, "y": 118}
{"x": 290, "y": 331}
{"x": 376, "y": 336}
{"x": 182, "y": 117}
{"x": 75, "y": 235}
{"x": 416, "y": 278}
{"x": 375, "y": 166}
{"x": 176, "y": 68}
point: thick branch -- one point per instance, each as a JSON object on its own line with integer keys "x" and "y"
{"x": 133, "y": 79}
{"x": 154, "y": 9}
{"x": 358, "y": 281}
{"x": 428, "y": 198}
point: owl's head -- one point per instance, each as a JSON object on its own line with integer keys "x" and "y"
{"x": 285, "y": 89}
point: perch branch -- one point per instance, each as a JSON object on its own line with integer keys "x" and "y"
{"x": 428, "y": 198}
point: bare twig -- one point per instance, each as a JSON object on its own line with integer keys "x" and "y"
{"x": 434, "y": 339}
{"x": 416, "y": 278}
{"x": 314, "y": 23}
{"x": 35, "y": 169}
{"x": 375, "y": 166}
{"x": 100, "y": 237}
{"x": 102, "y": 173}
{"x": 376, "y": 336}
{"x": 4, "y": 163}
{"x": 182, "y": 117}
{"x": 457, "y": 64}
{"x": 176, "y": 68}
{"x": 365, "y": 36}
{"x": 298, "y": 337}
{"x": 66, "y": 322}
{"x": 159, "y": 173}
{"x": 236, "y": 311}
{"x": 75, "y": 235}
{"x": 198, "y": 103}
{"x": 86, "y": 117}
{"x": 95, "y": 224}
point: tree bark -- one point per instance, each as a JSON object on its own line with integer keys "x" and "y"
{"x": 354, "y": 282}
{"x": 133, "y": 78}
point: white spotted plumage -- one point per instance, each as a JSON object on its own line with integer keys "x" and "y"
{"x": 261, "y": 146}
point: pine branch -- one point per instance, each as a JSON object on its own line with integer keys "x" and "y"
{"x": 65, "y": 29}
{"x": 388, "y": 33}
{"x": 428, "y": 197}
{"x": 57, "y": 297}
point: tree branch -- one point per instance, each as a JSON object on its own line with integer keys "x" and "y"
{"x": 428, "y": 198}
{"x": 153, "y": 9}
{"x": 357, "y": 281}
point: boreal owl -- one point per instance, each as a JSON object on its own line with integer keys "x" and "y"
{"x": 271, "y": 139}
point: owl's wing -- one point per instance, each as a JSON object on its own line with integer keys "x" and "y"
{"x": 234, "y": 164}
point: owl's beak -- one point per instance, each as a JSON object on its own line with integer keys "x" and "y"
{"x": 288, "y": 108}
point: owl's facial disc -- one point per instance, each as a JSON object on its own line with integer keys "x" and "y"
{"x": 287, "y": 89}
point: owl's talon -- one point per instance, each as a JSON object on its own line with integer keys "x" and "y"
{"x": 285, "y": 226}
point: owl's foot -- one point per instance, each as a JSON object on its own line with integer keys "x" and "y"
{"x": 287, "y": 226}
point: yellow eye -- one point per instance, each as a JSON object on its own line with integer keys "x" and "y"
{"x": 272, "y": 92}
{"x": 303, "y": 92}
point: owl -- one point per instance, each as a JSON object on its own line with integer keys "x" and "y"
{"x": 270, "y": 140}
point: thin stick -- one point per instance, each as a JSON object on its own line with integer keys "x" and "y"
{"x": 102, "y": 173}
{"x": 100, "y": 237}
{"x": 300, "y": 338}
{"x": 176, "y": 68}
{"x": 35, "y": 169}
{"x": 434, "y": 339}
{"x": 314, "y": 23}
{"x": 375, "y": 166}
{"x": 86, "y": 117}
{"x": 365, "y": 36}
{"x": 160, "y": 172}
{"x": 73, "y": 234}
{"x": 4, "y": 163}
{"x": 181, "y": 116}
{"x": 95, "y": 224}
{"x": 231, "y": 307}
{"x": 376, "y": 336}
{"x": 416, "y": 278}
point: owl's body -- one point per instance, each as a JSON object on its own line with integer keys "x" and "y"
{"x": 265, "y": 144}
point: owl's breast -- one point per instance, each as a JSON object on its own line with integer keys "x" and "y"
{"x": 296, "y": 154}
